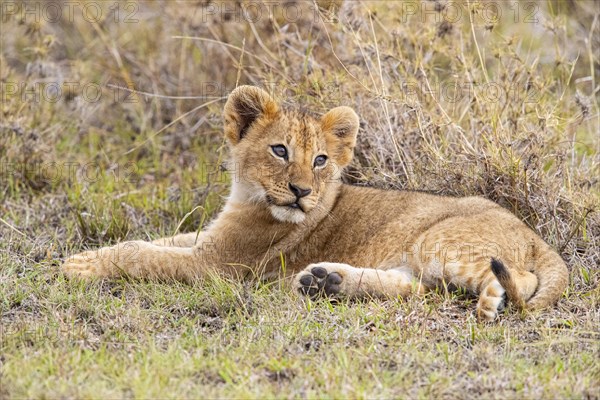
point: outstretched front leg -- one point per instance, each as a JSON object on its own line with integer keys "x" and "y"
{"x": 343, "y": 280}
{"x": 182, "y": 240}
{"x": 137, "y": 259}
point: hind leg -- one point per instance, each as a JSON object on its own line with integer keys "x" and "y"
{"x": 474, "y": 277}
{"x": 492, "y": 299}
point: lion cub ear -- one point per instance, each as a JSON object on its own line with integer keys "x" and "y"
{"x": 244, "y": 106}
{"x": 340, "y": 127}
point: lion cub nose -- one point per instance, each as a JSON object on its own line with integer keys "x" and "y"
{"x": 298, "y": 192}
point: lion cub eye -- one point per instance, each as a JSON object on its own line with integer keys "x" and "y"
{"x": 280, "y": 151}
{"x": 320, "y": 161}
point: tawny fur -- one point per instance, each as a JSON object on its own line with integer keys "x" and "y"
{"x": 368, "y": 242}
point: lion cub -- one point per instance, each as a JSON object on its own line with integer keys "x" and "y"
{"x": 287, "y": 202}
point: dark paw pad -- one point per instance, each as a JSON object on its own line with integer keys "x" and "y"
{"x": 308, "y": 285}
{"x": 320, "y": 283}
{"x": 319, "y": 272}
{"x": 308, "y": 280}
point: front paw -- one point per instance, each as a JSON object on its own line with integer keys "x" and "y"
{"x": 87, "y": 264}
{"x": 105, "y": 262}
{"x": 322, "y": 280}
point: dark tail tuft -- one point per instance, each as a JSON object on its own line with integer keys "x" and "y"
{"x": 500, "y": 270}
{"x": 507, "y": 282}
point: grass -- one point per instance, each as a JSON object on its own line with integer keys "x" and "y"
{"x": 80, "y": 172}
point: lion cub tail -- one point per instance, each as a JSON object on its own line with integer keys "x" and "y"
{"x": 513, "y": 293}
{"x": 539, "y": 289}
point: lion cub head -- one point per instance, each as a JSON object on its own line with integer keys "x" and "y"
{"x": 284, "y": 159}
